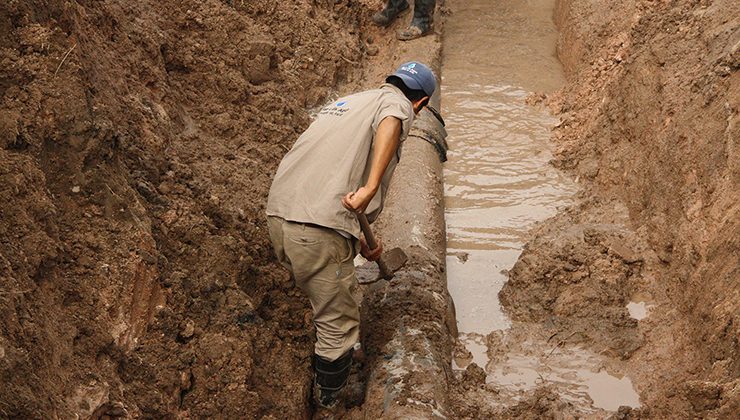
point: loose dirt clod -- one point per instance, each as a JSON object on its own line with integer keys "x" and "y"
{"x": 188, "y": 330}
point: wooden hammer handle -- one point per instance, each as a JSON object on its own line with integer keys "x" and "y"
{"x": 365, "y": 225}
{"x": 385, "y": 272}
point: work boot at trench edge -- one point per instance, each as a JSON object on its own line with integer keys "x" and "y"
{"x": 422, "y": 22}
{"x": 391, "y": 11}
{"x": 413, "y": 32}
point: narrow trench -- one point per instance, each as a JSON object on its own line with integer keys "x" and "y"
{"x": 498, "y": 184}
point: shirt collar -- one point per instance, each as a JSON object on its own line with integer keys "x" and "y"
{"x": 389, "y": 86}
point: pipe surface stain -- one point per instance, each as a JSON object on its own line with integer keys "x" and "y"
{"x": 498, "y": 182}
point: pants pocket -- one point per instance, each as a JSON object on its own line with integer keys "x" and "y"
{"x": 309, "y": 249}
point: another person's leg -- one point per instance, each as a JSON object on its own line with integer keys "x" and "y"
{"x": 390, "y": 12}
{"x": 322, "y": 264}
{"x": 421, "y": 24}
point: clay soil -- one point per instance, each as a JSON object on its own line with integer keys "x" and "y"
{"x": 137, "y": 144}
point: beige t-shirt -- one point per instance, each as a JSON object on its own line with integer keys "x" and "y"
{"x": 333, "y": 156}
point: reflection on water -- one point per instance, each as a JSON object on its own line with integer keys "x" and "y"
{"x": 474, "y": 285}
{"x": 498, "y": 182}
{"x": 578, "y": 377}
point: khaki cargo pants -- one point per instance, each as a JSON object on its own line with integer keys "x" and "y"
{"x": 322, "y": 263}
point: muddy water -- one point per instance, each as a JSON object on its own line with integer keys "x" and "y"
{"x": 498, "y": 184}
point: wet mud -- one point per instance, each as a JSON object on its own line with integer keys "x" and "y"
{"x": 649, "y": 126}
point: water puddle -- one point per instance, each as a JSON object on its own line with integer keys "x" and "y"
{"x": 640, "y": 306}
{"x": 476, "y": 296}
{"x": 639, "y": 310}
{"x": 576, "y": 373}
{"x": 498, "y": 184}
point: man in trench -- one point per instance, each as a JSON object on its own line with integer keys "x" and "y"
{"x": 341, "y": 165}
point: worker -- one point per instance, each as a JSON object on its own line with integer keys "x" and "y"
{"x": 341, "y": 165}
{"x": 421, "y": 24}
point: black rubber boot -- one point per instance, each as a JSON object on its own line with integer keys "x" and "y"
{"x": 392, "y": 10}
{"x": 330, "y": 378}
{"x": 421, "y": 24}
{"x": 423, "y": 14}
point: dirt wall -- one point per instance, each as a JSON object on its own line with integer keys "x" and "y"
{"x": 649, "y": 125}
{"x": 137, "y": 143}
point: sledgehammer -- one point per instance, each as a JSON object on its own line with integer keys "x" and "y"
{"x": 388, "y": 263}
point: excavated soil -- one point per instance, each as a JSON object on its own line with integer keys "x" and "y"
{"x": 138, "y": 141}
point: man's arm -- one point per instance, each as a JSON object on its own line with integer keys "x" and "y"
{"x": 387, "y": 137}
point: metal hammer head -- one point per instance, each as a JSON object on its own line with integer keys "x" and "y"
{"x": 370, "y": 271}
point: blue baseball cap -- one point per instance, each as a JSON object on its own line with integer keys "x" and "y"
{"x": 417, "y": 76}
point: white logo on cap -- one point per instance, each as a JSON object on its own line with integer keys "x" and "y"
{"x": 410, "y": 68}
